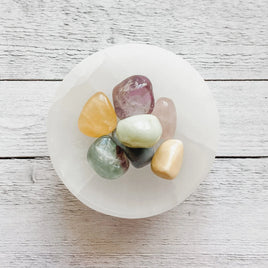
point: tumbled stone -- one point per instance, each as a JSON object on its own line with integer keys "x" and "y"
{"x": 107, "y": 159}
{"x": 98, "y": 117}
{"x": 139, "y": 157}
{"x": 139, "y": 131}
{"x": 133, "y": 96}
{"x": 167, "y": 159}
{"x": 165, "y": 111}
{"x": 117, "y": 141}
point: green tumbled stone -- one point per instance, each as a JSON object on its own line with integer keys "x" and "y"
{"x": 107, "y": 159}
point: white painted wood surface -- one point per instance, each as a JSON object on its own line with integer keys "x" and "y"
{"x": 224, "y": 224}
{"x": 222, "y": 39}
{"x": 242, "y": 106}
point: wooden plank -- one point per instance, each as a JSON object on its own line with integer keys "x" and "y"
{"x": 224, "y": 224}
{"x": 243, "y": 107}
{"x": 221, "y": 39}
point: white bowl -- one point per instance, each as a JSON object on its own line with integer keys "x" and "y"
{"x": 139, "y": 193}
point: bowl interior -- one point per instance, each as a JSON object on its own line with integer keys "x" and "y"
{"x": 139, "y": 193}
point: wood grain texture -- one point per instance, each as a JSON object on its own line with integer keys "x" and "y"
{"x": 242, "y": 106}
{"x": 224, "y": 224}
{"x": 221, "y": 39}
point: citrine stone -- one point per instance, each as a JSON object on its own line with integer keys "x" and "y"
{"x": 139, "y": 157}
{"x": 107, "y": 158}
{"x": 133, "y": 96}
{"x": 98, "y": 117}
{"x": 139, "y": 131}
{"x": 165, "y": 111}
{"x": 167, "y": 159}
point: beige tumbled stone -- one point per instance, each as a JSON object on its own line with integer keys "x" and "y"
{"x": 167, "y": 160}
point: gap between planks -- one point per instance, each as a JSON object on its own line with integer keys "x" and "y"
{"x": 217, "y": 157}
{"x": 207, "y": 80}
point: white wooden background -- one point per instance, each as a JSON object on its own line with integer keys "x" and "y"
{"x": 224, "y": 224}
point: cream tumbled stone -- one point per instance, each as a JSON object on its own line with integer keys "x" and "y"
{"x": 139, "y": 131}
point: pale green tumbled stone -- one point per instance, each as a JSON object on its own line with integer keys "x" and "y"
{"x": 107, "y": 158}
{"x": 139, "y": 131}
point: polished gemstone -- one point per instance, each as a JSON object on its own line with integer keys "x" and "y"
{"x": 98, "y": 117}
{"x": 133, "y": 96}
{"x": 139, "y": 157}
{"x": 165, "y": 111}
{"x": 107, "y": 159}
{"x": 117, "y": 141}
{"x": 167, "y": 159}
{"x": 139, "y": 131}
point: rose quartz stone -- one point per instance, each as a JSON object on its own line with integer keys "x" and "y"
{"x": 133, "y": 96}
{"x": 165, "y": 111}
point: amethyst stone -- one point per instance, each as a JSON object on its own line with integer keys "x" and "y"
{"x": 133, "y": 96}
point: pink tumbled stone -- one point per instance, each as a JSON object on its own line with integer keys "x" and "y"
{"x": 165, "y": 111}
{"x": 133, "y": 96}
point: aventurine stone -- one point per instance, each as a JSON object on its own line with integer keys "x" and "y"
{"x": 107, "y": 159}
{"x": 98, "y": 117}
{"x": 133, "y": 96}
{"x": 139, "y": 131}
{"x": 165, "y": 111}
{"x": 139, "y": 157}
{"x": 167, "y": 159}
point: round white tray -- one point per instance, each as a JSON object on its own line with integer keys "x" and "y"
{"x": 139, "y": 193}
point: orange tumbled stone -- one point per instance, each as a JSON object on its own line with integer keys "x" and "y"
{"x": 98, "y": 117}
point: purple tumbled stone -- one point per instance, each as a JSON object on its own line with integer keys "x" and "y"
{"x": 133, "y": 96}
